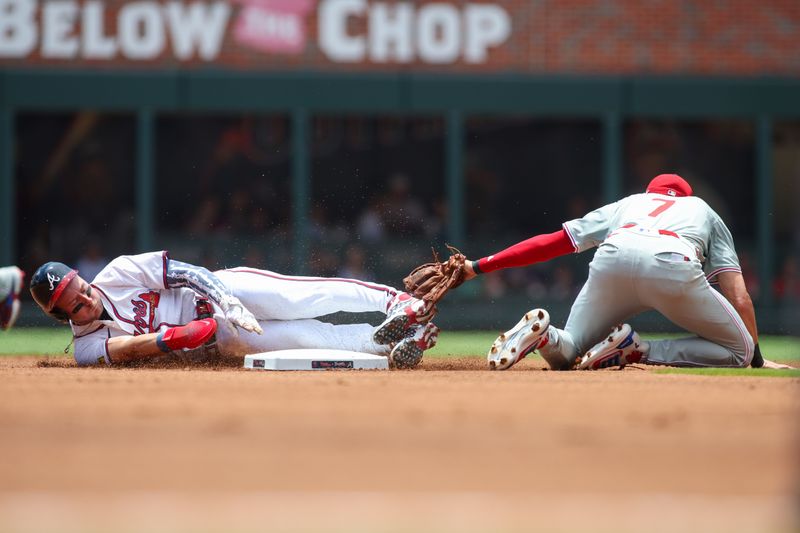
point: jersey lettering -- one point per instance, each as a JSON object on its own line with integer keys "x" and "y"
{"x": 140, "y": 311}
{"x": 660, "y": 209}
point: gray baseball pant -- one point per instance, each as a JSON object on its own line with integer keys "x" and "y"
{"x": 632, "y": 273}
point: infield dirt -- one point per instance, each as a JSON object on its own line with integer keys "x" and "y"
{"x": 446, "y": 447}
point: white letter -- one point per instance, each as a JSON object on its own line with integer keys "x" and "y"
{"x": 487, "y": 25}
{"x": 58, "y": 19}
{"x": 95, "y": 44}
{"x": 144, "y": 44}
{"x": 333, "y": 38}
{"x": 17, "y": 27}
{"x": 198, "y": 27}
{"x": 442, "y": 18}
{"x": 391, "y": 31}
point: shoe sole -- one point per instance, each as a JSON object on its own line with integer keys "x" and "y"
{"x": 395, "y": 329}
{"x": 392, "y": 330}
{"x": 601, "y": 355}
{"x": 513, "y": 345}
{"x": 410, "y": 353}
{"x": 407, "y": 355}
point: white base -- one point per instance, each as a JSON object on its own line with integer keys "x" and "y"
{"x": 315, "y": 359}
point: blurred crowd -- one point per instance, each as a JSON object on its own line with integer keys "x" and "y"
{"x": 376, "y": 197}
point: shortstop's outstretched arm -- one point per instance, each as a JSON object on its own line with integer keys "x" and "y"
{"x": 534, "y": 250}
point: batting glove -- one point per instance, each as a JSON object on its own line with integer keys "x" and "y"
{"x": 192, "y": 335}
{"x": 238, "y": 316}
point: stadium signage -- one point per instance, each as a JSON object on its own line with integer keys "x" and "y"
{"x": 347, "y": 31}
{"x": 402, "y": 32}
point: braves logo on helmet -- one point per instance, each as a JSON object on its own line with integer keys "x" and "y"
{"x": 52, "y": 280}
{"x": 48, "y": 283}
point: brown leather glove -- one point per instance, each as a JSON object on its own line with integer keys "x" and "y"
{"x": 431, "y": 281}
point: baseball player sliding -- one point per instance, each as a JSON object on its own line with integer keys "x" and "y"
{"x": 147, "y": 305}
{"x": 659, "y": 250}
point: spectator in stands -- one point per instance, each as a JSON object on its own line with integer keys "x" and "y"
{"x": 92, "y": 261}
{"x": 403, "y": 213}
{"x": 786, "y": 286}
{"x": 355, "y": 264}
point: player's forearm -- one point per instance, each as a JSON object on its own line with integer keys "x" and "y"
{"x": 133, "y": 348}
{"x": 733, "y": 287}
{"x": 534, "y": 250}
{"x": 129, "y": 348}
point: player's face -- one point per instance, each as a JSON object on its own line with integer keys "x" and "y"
{"x": 81, "y": 303}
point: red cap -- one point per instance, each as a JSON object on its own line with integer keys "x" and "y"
{"x": 670, "y": 184}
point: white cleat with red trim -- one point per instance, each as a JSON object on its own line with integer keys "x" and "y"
{"x": 622, "y": 347}
{"x": 404, "y": 312}
{"x": 408, "y": 352}
{"x": 529, "y": 334}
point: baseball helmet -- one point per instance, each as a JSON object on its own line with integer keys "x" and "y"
{"x": 47, "y": 284}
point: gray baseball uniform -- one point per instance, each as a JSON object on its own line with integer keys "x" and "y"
{"x": 655, "y": 252}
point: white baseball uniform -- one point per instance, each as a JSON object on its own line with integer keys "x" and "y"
{"x": 139, "y": 297}
{"x": 655, "y": 252}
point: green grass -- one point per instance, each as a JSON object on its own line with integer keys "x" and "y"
{"x": 759, "y": 372}
{"x": 39, "y": 341}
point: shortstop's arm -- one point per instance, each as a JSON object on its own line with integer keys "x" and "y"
{"x": 534, "y": 250}
{"x": 134, "y": 348}
{"x": 733, "y": 287}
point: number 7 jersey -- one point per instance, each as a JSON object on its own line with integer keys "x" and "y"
{"x": 689, "y": 217}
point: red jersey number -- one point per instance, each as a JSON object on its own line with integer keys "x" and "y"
{"x": 660, "y": 209}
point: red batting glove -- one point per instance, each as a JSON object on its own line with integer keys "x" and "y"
{"x": 192, "y": 335}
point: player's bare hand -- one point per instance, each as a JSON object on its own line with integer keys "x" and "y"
{"x": 238, "y": 316}
{"x": 776, "y": 366}
{"x": 469, "y": 272}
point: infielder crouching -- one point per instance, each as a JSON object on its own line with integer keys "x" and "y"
{"x": 658, "y": 250}
{"x": 147, "y": 305}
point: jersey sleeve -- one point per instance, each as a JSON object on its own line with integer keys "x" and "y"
{"x": 92, "y": 348}
{"x": 147, "y": 270}
{"x": 721, "y": 251}
{"x": 593, "y": 228}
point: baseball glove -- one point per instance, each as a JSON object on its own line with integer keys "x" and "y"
{"x": 431, "y": 281}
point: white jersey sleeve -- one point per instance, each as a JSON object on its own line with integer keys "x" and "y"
{"x": 91, "y": 348}
{"x": 148, "y": 270}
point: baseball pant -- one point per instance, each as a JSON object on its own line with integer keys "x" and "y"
{"x": 286, "y": 306}
{"x": 632, "y": 273}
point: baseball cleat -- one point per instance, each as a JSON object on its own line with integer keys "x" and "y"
{"x": 408, "y": 352}
{"x": 404, "y": 312}
{"x": 620, "y": 348}
{"x": 10, "y": 278}
{"x": 528, "y": 335}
